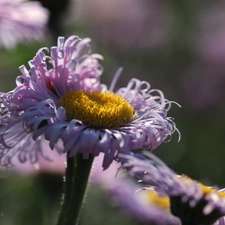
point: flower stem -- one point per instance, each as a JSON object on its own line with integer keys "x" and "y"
{"x": 77, "y": 175}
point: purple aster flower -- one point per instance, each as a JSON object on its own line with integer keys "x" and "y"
{"x": 60, "y": 98}
{"x": 145, "y": 207}
{"x": 191, "y": 201}
{"x": 20, "y": 21}
{"x": 221, "y": 221}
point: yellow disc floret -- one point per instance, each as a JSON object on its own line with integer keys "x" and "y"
{"x": 160, "y": 201}
{"x": 209, "y": 190}
{"x": 98, "y": 109}
{"x": 205, "y": 189}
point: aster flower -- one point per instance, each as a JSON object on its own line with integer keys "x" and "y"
{"x": 144, "y": 207}
{"x": 191, "y": 201}
{"x": 21, "y": 21}
{"x": 221, "y": 221}
{"x": 61, "y": 98}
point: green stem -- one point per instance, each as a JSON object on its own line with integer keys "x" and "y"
{"x": 77, "y": 175}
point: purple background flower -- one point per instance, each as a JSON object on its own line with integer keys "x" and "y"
{"x": 21, "y": 21}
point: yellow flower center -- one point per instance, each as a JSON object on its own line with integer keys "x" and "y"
{"x": 205, "y": 189}
{"x": 208, "y": 190}
{"x": 160, "y": 201}
{"x": 98, "y": 109}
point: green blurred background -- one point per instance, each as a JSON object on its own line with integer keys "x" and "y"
{"x": 177, "y": 46}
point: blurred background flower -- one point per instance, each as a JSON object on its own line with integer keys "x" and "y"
{"x": 189, "y": 200}
{"x": 122, "y": 193}
{"x": 21, "y": 21}
{"x": 146, "y": 25}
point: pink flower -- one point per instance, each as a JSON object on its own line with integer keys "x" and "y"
{"x": 21, "y": 21}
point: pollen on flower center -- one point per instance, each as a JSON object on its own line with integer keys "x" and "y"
{"x": 209, "y": 190}
{"x": 160, "y": 201}
{"x": 98, "y": 109}
{"x": 205, "y": 189}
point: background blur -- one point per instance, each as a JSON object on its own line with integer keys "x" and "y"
{"x": 177, "y": 46}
